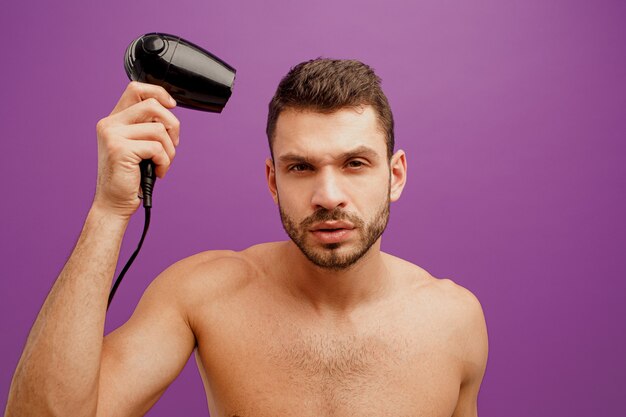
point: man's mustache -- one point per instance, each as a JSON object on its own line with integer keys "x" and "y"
{"x": 325, "y": 215}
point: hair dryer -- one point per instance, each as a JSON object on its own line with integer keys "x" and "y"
{"x": 194, "y": 77}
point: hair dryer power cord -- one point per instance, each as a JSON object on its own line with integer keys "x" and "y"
{"x": 132, "y": 257}
{"x": 148, "y": 178}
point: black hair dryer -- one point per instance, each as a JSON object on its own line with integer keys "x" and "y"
{"x": 194, "y": 77}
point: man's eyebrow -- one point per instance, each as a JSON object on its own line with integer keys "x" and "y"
{"x": 291, "y": 158}
{"x": 361, "y": 151}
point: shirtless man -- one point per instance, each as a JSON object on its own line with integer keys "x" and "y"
{"x": 322, "y": 325}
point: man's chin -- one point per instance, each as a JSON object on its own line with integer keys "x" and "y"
{"x": 332, "y": 246}
{"x": 327, "y": 250}
{"x": 332, "y": 256}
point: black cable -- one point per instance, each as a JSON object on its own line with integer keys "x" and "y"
{"x": 132, "y": 257}
{"x": 148, "y": 178}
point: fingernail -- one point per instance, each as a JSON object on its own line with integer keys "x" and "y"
{"x": 172, "y": 101}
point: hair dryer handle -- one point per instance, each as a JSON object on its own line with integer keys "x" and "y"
{"x": 148, "y": 178}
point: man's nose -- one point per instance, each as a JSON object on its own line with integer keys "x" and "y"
{"x": 329, "y": 192}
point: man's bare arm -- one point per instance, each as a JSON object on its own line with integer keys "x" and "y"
{"x": 59, "y": 371}
{"x": 59, "y": 367}
{"x": 475, "y": 345}
{"x": 141, "y": 358}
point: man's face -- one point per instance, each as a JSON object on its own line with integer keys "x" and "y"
{"x": 333, "y": 182}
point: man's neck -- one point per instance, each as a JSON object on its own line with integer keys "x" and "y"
{"x": 337, "y": 291}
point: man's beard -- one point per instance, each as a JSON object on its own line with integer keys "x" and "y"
{"x": 329, "y": 256}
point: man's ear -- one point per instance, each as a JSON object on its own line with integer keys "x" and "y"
{"x": 397, "y": 168}
{"x": 270, "y": 175}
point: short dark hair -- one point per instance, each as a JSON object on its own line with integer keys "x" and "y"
{"x": 327, "y": 85}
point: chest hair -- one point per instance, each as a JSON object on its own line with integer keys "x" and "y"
{"x": 339, "y": 360}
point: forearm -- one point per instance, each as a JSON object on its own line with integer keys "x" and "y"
{"x": 59, "y": 368}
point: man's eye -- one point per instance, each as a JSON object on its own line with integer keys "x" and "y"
{"x": 299, "y": 167}
{"x": 355, "y": 164}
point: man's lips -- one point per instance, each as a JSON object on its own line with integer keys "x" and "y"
{"x": 332, "y": 232}
{"x": 332, "y": 226}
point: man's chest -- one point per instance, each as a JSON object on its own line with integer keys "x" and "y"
{"x": 261, "y": 367}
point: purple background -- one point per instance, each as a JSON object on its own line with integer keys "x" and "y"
{"x": 512, "y": 114}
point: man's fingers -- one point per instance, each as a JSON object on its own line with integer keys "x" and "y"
{"x": 151, "y": 132}
{"x": 136, "y": 92}
{"x": 146, "y": 111}
{"x": 156, "y": 152}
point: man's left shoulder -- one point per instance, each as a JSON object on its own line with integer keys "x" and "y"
{"x": 442, "y": 294}
{"x": 454, "y": 314}
{"x": 463, "y": 315}
{"x": 443, "y": 290}
{"x": 457, "y": 298}
{"x": 466, "y": 321}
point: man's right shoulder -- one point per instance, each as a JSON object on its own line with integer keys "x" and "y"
{"x": 215, "y": 272}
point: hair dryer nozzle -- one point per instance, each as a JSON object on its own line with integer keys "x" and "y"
{"x": 196, "y": 78}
